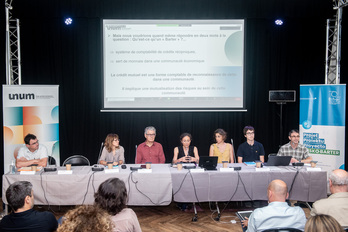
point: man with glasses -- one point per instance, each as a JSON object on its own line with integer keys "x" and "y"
{"x": 298, "y": 152}
{"x": 150, "y": 151}
{"x": 20, "y": 197}
{"x": 250, "y": 150}
{"x": 32, "y": 153}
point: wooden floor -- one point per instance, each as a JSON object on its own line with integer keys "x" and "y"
{"x": 171, "y": 218}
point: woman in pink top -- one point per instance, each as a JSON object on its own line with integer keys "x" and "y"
{"x": 112, "y": 196}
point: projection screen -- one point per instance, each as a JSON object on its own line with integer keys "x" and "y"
{"x": 173, "y": 65}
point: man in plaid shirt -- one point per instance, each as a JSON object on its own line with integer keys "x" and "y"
{"x": 298, "y": 152}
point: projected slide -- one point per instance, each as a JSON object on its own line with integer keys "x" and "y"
{"x": 173, "y": 65}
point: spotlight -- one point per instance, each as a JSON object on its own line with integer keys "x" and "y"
{"x": 279, "y": 22}
{"x": 68, "y": 21}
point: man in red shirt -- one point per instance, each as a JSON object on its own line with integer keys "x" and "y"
{"x": 150, "y": 151}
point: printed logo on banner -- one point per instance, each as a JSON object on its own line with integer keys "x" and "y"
{"x": 334, "y": 98}
{"x": 307, "y": 124}
{"x": 21, "y": 96}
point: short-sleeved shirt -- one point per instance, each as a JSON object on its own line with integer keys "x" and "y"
{"x": 299, "y": 153}
{"x": 40, "y": 153}
{"x": 29, "y": 221}
{"x": 153, "y": 154}
{"x": 250, "y": 153}
{"x": 110, "y": 157}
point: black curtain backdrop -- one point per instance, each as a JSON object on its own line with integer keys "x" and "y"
{"x": 70, "y": 56}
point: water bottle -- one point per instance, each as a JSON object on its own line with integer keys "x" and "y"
{"x": 12, "y": 167}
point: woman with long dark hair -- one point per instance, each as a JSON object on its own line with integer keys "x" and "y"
{"x": 112, "y": 197}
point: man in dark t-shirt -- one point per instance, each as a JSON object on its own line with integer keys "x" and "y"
{"x": 20, "y": 197}
{"x": 250, "y": 150}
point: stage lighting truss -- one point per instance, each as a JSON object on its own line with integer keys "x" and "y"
{"x": 13, "y": 54}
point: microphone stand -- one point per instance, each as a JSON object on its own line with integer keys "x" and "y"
{"x": 100, "y": 151}
{"x": 234, "y": 154}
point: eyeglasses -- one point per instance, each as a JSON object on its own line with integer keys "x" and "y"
{"x": 37, "y": 142}
{"x": 151, "y": 134}
{"x": 116, "y": 140}
{"x": 250, "y": 133}
{"x": 295, "y": 136}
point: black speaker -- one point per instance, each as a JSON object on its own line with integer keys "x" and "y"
{"x": 282, "y": 96}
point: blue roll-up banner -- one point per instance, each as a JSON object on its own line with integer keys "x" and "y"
{"x": 322, "y": 123}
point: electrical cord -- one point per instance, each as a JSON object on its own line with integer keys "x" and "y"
{"x": 89, "y": 180}
{"x": 44, "y": 192}
{"x": 293, "y": 181}
{"x": 182, "y": 182}
{"x": 136, "y": 186}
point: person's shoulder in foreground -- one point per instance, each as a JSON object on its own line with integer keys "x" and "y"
{"x": 335, "y": 205}
{"x": 278, "y": 214}
{"x": 20, "y": 197}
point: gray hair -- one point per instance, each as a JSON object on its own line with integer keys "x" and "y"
{"x": 338, "y": 180}
{"x": 150, "y": 128}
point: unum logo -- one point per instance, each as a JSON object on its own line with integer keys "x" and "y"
{"x": 21, "y": 96}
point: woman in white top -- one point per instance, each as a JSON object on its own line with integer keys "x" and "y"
{"x": 112, "y": 151}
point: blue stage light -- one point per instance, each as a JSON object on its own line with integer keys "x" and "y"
{"x": 68, "y": 21}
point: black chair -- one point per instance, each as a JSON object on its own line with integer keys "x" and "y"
{"x": 283, "y": 230}
{"x": 77, "y": 160}
{"x": 51, "y": 161}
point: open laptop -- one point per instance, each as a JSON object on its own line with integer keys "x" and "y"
{"x": 208, "y": 162}
{"x": 278, "y": 161}
{"x": 242, "y": 214}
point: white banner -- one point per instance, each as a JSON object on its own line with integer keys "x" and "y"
{"x": 322, "y": 123}
{"x": 30, "y": 109}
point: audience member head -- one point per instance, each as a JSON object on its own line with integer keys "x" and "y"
{"x": 111, "y": 196}
{"x": 277, "y": 191}
{"x": 150, "y": 134}
{"x": 86, "y": 218}
{"x": 322, "y": 223}
{"x": 185, "y": 139}
{"x": 110, "y": 141}
{"x": 338, "y": 181}
{"x": 20, "y": 196}
{"x": 220, "y": 135}
{"x": 248, "y": 128}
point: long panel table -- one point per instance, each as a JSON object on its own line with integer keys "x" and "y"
{"x": 247, "y": 184}
{"x": 50, "y": 188}
{"x": 159, "y": 187}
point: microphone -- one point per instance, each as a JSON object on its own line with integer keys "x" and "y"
{"x": 100, "y": 151}
{"x": 136, "y": 148}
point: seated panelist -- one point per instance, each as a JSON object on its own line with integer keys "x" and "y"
{"x": 185, "y": 153}
{"x": 222, "y": 150}
{"x": 112, "y": 151}
{"x": 150, "y": 150}
{"x": 32, "y": 153}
